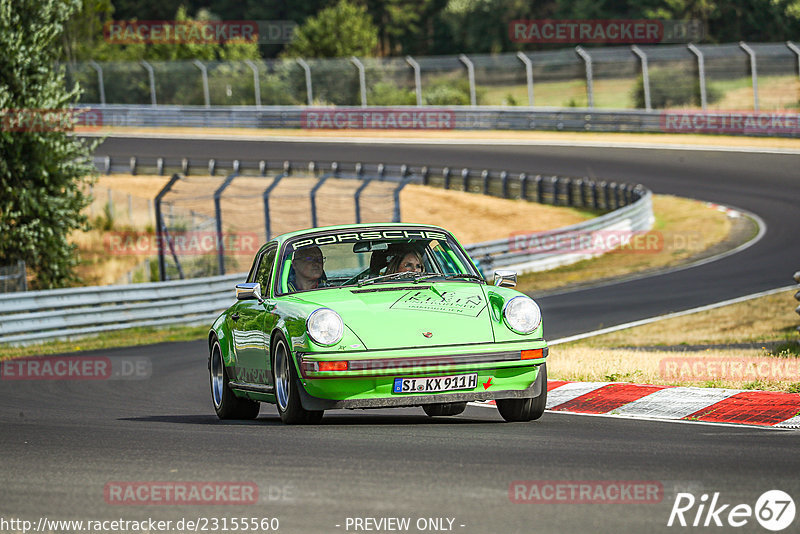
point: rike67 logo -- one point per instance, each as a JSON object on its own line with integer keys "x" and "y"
{"x": 774, "y": 510}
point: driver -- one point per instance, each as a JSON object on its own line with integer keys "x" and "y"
{"x": 307, "y": 270}
{"x": 406, "y": 261}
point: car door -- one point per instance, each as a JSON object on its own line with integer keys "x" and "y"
{"x": 251, "y": 323}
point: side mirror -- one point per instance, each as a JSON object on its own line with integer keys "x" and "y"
{"x": 248, "y": 291}
{"x": 505, "y": 278}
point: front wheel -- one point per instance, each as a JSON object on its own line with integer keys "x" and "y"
{"x": 226, "y": 404}
{"x": 445, "y": 408}
{"x": 287, "y": 397}
{"x": 526, "y": 409}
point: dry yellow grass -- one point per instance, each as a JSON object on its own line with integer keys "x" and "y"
{"x": 724, "y": 368}
{"x": 767, "y": 322}
{"x": 683, "y": 228}
{"x": 476, "y": 218}
{"x": 762, "y": 319}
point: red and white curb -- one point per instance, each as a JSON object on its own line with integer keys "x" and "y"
{"x": 710, "y": 405}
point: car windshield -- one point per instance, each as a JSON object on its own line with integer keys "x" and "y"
{"x": 361, "y": 257}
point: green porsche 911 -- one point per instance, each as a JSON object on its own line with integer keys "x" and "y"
{"x": 375, "y": 316}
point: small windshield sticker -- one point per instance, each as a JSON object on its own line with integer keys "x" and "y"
{"x": 448, "y": 302}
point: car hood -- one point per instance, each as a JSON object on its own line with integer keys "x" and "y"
{"x": 388, "y": 316}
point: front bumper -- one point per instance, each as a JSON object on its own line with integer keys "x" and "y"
{"x": 369, "y": 378}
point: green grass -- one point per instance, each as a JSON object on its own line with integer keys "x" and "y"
{"x": 120, "y": 338}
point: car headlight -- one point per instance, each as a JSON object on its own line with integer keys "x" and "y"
{"x": 522, "y": 315}
{"x": 325, "y": 326}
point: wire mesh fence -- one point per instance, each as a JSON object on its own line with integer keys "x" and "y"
{"x": 13, "y": 278}
{"x": 215, "y": 224}
{"x": 601, "y": 77}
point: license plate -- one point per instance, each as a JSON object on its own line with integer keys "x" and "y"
{"x": 435, "y": 383}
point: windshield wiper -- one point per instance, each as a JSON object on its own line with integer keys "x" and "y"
{"x": 464, "y": 275}
{"x": 390, "y": 276}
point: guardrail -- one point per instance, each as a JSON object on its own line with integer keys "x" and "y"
{"x": 55, "y": 314}
{"x": 797, "y": 295}
{"x": 783, "y": 124}
{"x": 63, "y": 313}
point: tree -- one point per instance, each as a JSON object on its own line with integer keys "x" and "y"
{"x": 338, "y": 31}
{"x": 43, "y": 171}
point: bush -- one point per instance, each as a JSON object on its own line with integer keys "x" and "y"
{"x": 387, "y": 94}
{"x": 672, "y": 88}
{"x": 450, "y": 93}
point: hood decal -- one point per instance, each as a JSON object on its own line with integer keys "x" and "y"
{"x": 469, "y": 305}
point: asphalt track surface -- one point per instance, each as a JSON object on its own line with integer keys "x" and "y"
{"x": 63, "y": 441}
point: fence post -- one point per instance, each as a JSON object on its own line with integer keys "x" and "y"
{"x": 587, "y": 59}
{"x": 465, "y": 180}
{"x": 539, "y": 188}
{"x": 160, "y": 166}
{"x": 357, "y": 195}
{"x": 425, "y": 173}
{"x": 471, "y": 75}
{"x": 107, "y": 164}
{"x": 417, "y": 78}
{"x": 287, "y": 168}
{"x": 753, "y": 72}
{"x": 405, "y": 178}
{"x": 523, "y": 186}
{"x": 313, "y": 193}
{"x": 100, "y": 85}
{"x": 152, "y": 76}
{"x": 161, "y": 227}
{"x": 362, "y": 79}
{"x": 504, "y": 183}
{"x": 218, "y": 217}
{"x": 256, "y": 81}
{"x": 485, "y": 181}
{"x": 446, "y": 178}
{"x": 793, "y": 47}
{"x": 645, "y": 75}
{"x": 204, "y": 72}
{"x": 556, "y": 189}
{"x": 528, "y": 75}
{"x": 309, "y": 88}
{"x": 701, "y": 73}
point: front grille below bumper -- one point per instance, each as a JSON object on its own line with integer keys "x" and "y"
{"x": 315, "y": 403}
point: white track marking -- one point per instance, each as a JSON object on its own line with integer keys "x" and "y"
{"x": 675, "y": 403}
{"x": 570, "y": 391}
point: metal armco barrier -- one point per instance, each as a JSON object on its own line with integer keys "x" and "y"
{"x": 62, "y": 313}
{"x": 783, "y": 124}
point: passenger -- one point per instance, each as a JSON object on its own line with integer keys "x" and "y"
{"x": 409, "y": 261}
{"x": 307, "y": 270}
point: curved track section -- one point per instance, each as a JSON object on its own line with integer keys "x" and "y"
{"x": 63, "y": 442}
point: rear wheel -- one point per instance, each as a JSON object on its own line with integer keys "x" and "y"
{"x": 287, "y": 396}
{"x": 526, "y": 409}
{"x": 445, "y": 408}
{"x": 226, "y": 404}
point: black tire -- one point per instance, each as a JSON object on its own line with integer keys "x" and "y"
{"x": 445, "y": 408}
{"x": 526, "y": 409}
{"x": 287, "y": 396}
{"x": 226, "y": 403}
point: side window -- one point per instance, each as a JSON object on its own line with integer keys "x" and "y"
{"x": 265, "y": 269}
